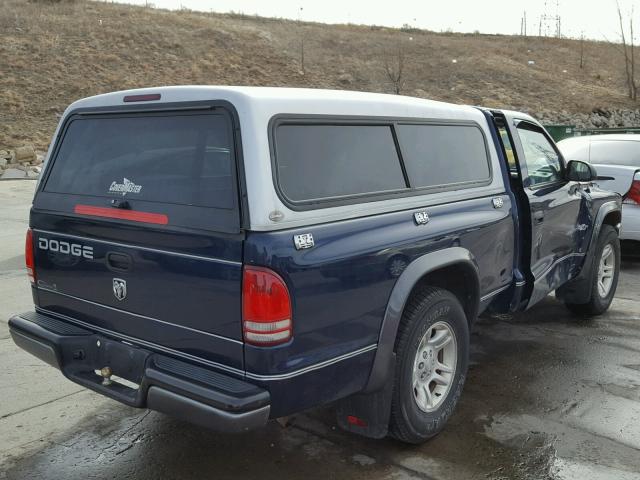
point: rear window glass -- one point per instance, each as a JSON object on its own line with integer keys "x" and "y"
{"x": 179, "y": 159}
{"x": 622, "y": 152}
{"x": 443, "y": 154}
{"x": 324, "y": 161}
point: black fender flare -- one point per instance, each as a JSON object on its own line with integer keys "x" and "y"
{"x": 604, "y": 210}
{"x": 578, "y": 289}
{"x": 384, "y": 360}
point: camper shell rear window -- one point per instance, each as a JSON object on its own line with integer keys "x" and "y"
{"x": 183, "y": 159}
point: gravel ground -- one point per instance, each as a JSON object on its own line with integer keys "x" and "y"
{"x": 547, "y": 396}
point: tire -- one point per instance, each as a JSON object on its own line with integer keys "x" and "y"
{"x": 607, "y": 244}
{"x": 413, "y": 418}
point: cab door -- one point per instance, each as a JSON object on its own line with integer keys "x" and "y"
{"x": 554, "y": 207}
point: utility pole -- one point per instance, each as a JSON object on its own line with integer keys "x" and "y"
{"x": 558, "y": 31}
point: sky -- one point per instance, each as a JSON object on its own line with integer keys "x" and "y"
{"x": 596, "y": 19}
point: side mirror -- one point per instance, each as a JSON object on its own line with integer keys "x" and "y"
{"x": 578, "y": 171}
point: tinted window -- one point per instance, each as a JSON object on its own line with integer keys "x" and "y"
{"x": 443, "y": 154}
{"x": 620, "y": 152}
{"x": 322, "y": 161}
{"x": 181, "y": 159}
{"x": 543, "y": 163}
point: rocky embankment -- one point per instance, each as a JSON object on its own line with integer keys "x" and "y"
{"x": 26, "y": 162}
{"x": 23, "y": 162}
{"x": 598, "y": 118}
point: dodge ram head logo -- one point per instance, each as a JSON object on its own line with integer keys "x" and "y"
{"x": 119, "y": 288}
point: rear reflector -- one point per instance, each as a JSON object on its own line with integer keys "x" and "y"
{"x": 633, "y": 195}
{"x": 133, "y": 215}
{"x": 142, "y": 98}
{"x": 266, "y": 307}
{"x": 358, "y": 422}
{"x": 28, "y": 257}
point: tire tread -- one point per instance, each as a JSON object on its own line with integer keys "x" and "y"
{"x": 424, "y": 295}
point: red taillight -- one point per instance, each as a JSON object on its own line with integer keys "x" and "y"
{"x": 133, "y": 215}
{"x": 358, "y": 422}
{"x": 28, "y": 257}
{"x": 633, "y": 195}
{"x": 266, "y": 307}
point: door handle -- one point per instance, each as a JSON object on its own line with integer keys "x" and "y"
{"x": 538, "y": 217}
{"x": 120, "y": 262}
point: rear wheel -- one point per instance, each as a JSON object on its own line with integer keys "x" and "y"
{"x": 604, "y": 274}
{"x": 432, "y": 351}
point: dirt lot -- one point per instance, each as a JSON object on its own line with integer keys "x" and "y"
{"x": 546, "y": 397}
{"x": 52, "y": 53}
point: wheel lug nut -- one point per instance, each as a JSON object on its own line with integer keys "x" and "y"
{"x": 421, "y": 365}
{"x": 424, "y": 354}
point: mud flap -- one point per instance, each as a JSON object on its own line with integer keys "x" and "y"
{"x": 366, "y": 414}
{"x": 578, "y": 290}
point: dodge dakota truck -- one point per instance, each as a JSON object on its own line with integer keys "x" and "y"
{"x": 230, "y": 255}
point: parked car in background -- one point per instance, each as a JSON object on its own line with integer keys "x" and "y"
{"x": 617, "y": 161}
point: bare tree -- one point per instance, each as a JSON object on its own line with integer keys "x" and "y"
{"x": 394, "y": 68}
{"x": 300, "y": 9}
{"x": 632, "y": 60}
{"x": 629, "y": 54}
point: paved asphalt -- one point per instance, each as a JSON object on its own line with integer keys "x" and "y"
{"x": 547, "y": 396}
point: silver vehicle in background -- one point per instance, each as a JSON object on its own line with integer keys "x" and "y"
{"x": 617, "y": 160}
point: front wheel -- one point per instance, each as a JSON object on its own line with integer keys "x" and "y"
{"x": 432, "y": 350}
{"x": 604, "y": 275}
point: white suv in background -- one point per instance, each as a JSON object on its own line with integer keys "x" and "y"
{"x": 617, "y": 158}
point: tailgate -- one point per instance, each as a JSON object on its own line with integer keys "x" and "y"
{"x": 136, "y": 231}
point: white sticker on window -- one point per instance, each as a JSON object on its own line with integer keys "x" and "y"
{"x": 127, "y": 186}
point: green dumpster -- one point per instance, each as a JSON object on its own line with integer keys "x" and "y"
{"x": 559, "y": 132}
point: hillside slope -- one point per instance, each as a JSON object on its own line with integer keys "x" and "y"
{"x": 51, "y": 54}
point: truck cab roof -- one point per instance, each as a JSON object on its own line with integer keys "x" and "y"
{"x": 272, "y": 100}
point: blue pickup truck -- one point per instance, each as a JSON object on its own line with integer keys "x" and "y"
{"x": 229, "y": 255}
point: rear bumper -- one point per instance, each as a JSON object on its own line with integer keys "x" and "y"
{"x": 171, "y": 386}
